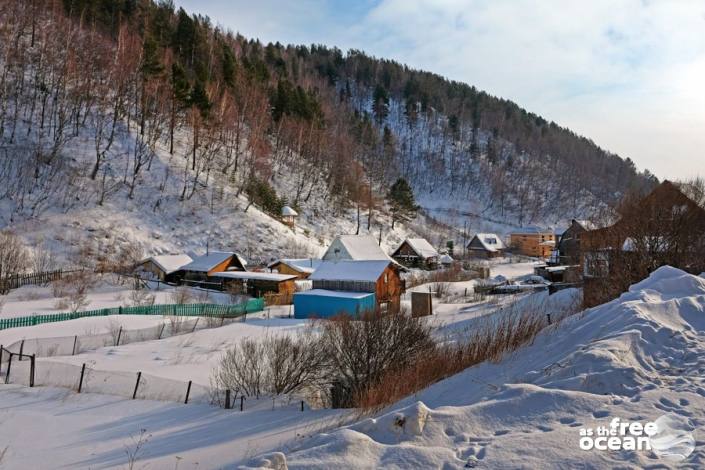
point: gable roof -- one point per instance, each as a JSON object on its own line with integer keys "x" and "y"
{"x": 205, "y": 263}
{"x": 302, "y": 265}
{"x": 169, "y": 263}
{"x": 585, "y": 224}
{"x": 347, "y": 270}
{"x": 355, "y": 247}
{"x": 288, "y": 211}
{"x": 420, "y": 246}
{"x": 489, "y": 241}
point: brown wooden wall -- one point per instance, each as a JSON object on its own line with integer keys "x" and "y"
{"x": 529, "y": 244}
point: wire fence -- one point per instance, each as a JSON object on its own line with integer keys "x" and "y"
{"x": 27, "y": 370}
{"x": 115, "y": 335}
{"x": 191, "y": 310}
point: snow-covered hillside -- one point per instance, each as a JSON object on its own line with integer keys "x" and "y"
{"x": 636, "y": 358}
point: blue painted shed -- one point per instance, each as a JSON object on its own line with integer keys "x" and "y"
{"x": 321, "y": 303}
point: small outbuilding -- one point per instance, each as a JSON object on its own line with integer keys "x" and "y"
{"x": 289, "y": 216}
{"x": 299, "y": 267}
{"x": 165, "y": 268}
{"x": 416, "y": 253}
{"x": 322, "y": 303}
{"x": 486, "y": 245}
{"x": 258, "y": 284}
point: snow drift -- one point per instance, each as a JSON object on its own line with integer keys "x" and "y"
{"x": 639, "y": 357}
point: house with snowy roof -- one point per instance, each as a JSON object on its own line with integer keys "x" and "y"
{"x": 204, "y": 266}
{"x": 350, "y": 287}
{"x": 486, "y": 245}
{"x": 355, "y": 247}
{"x": 416, "y": 253}
{"x": 299, "y": 267}
{"x": 533, "y": 241}
{"x": 165, "y": 268}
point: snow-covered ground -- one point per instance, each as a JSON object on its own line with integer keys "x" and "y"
{"x": 637, "y": 358}
{"x": 107, "y": 293}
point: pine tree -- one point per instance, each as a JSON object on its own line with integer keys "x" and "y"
{"x": 380, "y": 104}
{"x": 402, "y": 202}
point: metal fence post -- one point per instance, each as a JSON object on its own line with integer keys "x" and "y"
{"x": 21, "y": 349}
{"x": 75, "y": 341}
{"x": 188, "y": 392}
{"x": 80, "y": 381}
{"x": 32, "y": 370}
{"x": 227, "y": 399}
{"x": 137, "y": 384}
{"x": 242, "y": 402}
{"x": 9, "y": 366}
{"x": 117, "y": 343}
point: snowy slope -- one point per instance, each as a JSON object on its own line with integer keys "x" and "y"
{"x": 638, "y": 358}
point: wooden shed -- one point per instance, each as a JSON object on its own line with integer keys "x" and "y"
{"x": 299, "y": 267}
{"x": 417, "y": 253}
{"x": 202, "y": 268}
{"x": 165, "y": 268}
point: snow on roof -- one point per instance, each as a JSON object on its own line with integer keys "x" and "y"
{"x": 347, "y": 270}
{"x": 304, "y": 265}
{"x": 422, "y": 247}
{"x": 335, "y": 293}
{"x": 169, "y": 263}
{"x": 355, "y": 247}
{"x": 446, "y": 259}
{"x": 490, "y": 241}
{"x": 255, "y": 276}
{"x": 586, "y": 224}
{"x": 288, "y": 211}
{"x": 531, "y": 230}
{"x": 209, "y": 261}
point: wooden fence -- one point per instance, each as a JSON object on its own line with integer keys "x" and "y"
{"x": 190, "y": 310}
{"x": 32, "y": 279}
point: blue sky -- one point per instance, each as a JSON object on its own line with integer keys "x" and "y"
{"x": 630, "y": 74}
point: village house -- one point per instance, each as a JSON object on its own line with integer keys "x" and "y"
{"x": 666, "y": 227}
{"x": 202, "y": 268}
{"x": 486, "y": 245}
{"x": 355, "y": 247}
{"x": 165, "y": 268}
{"x": 299, "y": 267}
{"x": 338, "y": 287}
{"x": 533, "y": 241}
{"x": 568, "y": 247}
{"x": 416, "y": 253}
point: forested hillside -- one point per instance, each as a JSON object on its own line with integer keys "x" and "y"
{"x": 99, "y": 99}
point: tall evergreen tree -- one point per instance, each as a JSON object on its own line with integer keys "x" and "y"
{"x": 401, "y": 201}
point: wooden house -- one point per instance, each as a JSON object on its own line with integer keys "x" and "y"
{"x": 202, "y": 268}
{"x": 355, "y": 247}
{"x": 289, "y": 216}
{"x": 258, "y": 284}
{"x": 382, "y": 278}
{"x": 666, "y": 227}
{"x": 416, "y": 253}
{"x": 533, "y": 241}
{"x": 299, "y": 267}
{"x": 568, "y": 247}
{"x": 486, "y": 245}
{"x": 165, "y": 268}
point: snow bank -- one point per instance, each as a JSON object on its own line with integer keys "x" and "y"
{"x": 640, "y": 356}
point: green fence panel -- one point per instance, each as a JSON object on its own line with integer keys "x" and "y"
{"x": 208, "y": 310}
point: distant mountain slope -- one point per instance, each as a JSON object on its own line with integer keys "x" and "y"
{"x": 130, "y": 103}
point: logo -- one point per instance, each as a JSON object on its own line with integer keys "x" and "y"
{"x": 669, "y": 437}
